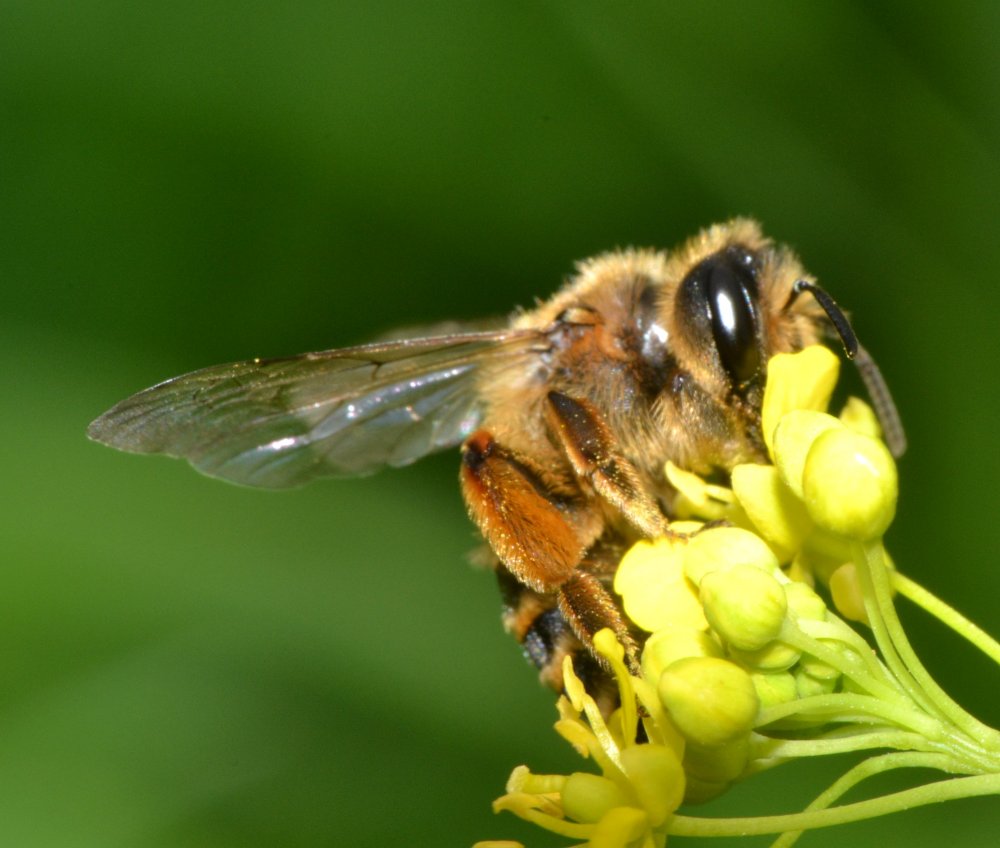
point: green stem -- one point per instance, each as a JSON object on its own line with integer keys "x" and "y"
{"x": 919, "y": 796}
{"x": 872, "y": 558}
{"x": 846, "y": 707}
{"x": 836, "y": 629}
{"x": 793, "y": 634}
{"x": 947, "y": 614}
{"x": 886, "y": 627}
{"x": 862, "y": 771}
{"x": 899, "y": 740}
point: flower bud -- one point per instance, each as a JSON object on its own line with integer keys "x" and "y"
{"x": 588, "y": 797}
{"x": 817, "y": 668}
{"x": 807, "y": 686}
{"x": 774, "y": 688}
{"x": 774, "y": 656}
{"x": 848, "y": 598}
{"x": 698, "y": 791}
{"x": 721, "y": 548}
{"x": 670, "y": 644}
{"x": 712, "y": 701}
{"x": 719, "y": 763}
{"x": 793, "y": 438}
{"x": 849, "y": 484}
{"x": 744, "y": 605}
{"x": 619, "y": 828}
{"x": 803, "y": 602}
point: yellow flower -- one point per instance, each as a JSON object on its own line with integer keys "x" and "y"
{"x": 628, "y": 805}
{"x": 654, "y": 591}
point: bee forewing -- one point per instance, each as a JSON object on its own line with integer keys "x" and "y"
{"x": 277, "y": 423}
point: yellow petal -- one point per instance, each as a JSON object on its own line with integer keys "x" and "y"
{"x": 861, "y": 418}
{"x": 697, "y": 497}
{"x": 657, "y": 779}
{"x": 803, "y": 380}
{"x": 654, "y": 591}
{"x": 776, "y": 513}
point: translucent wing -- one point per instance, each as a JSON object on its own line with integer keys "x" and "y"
{"x": 277, "y": 423}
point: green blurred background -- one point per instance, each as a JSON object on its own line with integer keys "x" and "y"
{"x": 187, "y": 663}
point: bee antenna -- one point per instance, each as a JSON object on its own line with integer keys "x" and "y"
{"x": 871, "y": 376}
{"x": 833, "y": 312}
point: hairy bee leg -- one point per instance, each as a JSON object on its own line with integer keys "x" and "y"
{"x": 547, "y": 639}
{"x": 588, "y": 607}
{"x": 520, "y": 518}
{"x": 588, "y": 443}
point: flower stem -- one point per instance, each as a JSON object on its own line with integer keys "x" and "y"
{"x": 794, "y": 635}
{"x": 947, "y": 614}
{"x": 898, "y": 645}
{"x": 860, "y": 740}
{"x": 885, "y": 624}
{"x": 847, "y": 707}
{"x": 862, "y": 771}
{"x": 919, "y": 796}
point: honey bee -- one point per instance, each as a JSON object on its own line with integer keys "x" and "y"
{"x": 564, "y": 419}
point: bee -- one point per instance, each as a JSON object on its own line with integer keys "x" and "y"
{"x": 564, "y": 418}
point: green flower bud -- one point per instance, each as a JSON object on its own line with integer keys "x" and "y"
{"x": 774, "y": 656}
{"x": 657, "y": 779}
{"x": 807, "y": 686}
{"x": 698, "y": 791}
{"x": 588, "y": 797}
{"x": 803, "y": 602}
{"x": 711, "y": 701}
{"x": 670, "y": 644}
{"x": 793, "y": 438}
{"x": 774, "y": 688}
{"x": 848, "y": 598}
{"x": 849, "y": 484}
{"x": 719, "y": 763}
{"x": 744, "y": 605}
{"x": 818, "y": 669}
{"x": 725, "y": 547}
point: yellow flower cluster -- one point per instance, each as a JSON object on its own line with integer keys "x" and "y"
{"x": 736, "y": 633}
{"x": 641, "y": 784}
{"x": 833, "y": 481}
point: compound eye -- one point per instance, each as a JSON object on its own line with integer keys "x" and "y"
{"x": 721, "y": 292}
{"x": 734, "y": 322}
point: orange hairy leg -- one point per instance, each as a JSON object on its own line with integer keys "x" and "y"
{"x": 541, "y": 539}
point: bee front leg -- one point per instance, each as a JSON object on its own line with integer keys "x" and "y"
{"x": 588, "y": 444}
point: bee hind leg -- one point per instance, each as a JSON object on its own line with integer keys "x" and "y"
{"x": 589, "y": 607}
{"x": 546, "y": 639}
